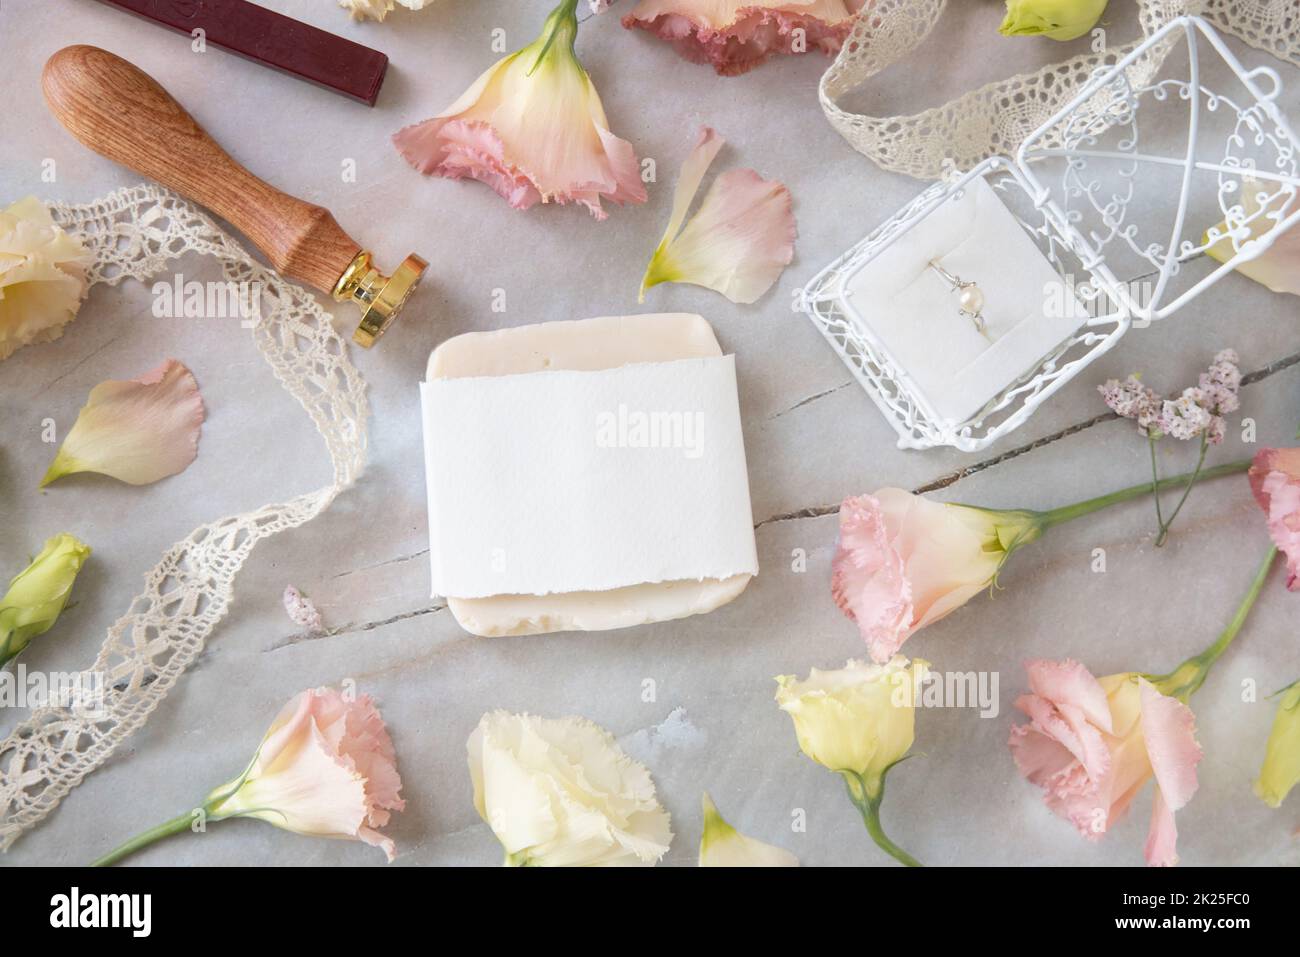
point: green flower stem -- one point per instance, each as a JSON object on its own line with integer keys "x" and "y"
{"x": 176, "y": 825}
{"x": 563, "y": 20}
{"x": 1165, "y": 525}
{"x": 1184, "y": 680}
{"x": 867, "y": 800}
{"x": 1155, "y": 480}
{"x": 1068, "y": 513}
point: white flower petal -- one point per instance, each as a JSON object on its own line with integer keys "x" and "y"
{"x": 723, "y": 846}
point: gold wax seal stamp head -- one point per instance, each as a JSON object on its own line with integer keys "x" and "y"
{"x": 380, "y": 297}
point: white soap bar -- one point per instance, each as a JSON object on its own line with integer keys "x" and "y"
{"x": 584, "y": 345}
{"x": 914, "y": 311}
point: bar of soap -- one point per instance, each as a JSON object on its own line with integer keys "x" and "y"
{"x": 583, "y": 345}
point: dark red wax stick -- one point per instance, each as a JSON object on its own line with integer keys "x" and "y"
{"x": 273, "y": 40}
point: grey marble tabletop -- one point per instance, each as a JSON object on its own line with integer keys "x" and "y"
{"x": 812, "y": 438}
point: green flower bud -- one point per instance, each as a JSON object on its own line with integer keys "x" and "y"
{"x": 37, "y": 595}
{"x": 1057, "y": 19}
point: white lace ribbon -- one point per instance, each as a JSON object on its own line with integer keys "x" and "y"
{"x": 134, "y": 232}
{"x": 994, "y": 119}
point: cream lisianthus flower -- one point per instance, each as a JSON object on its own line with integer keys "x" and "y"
{"x": 1281, "y": 770}
{"x": 367, "y": 9}
{"x": 858, "y": 721}
{"x": 1056, "y": 19}
{"x": 325, "y": 768}
{"x": 561, "y": 793}
{"x": 533, "y": 128}
{"x": 37, "y": 595}
{"x": 378, "y": 9}
{"x": 722, "y": 845}
{"x": 42, "y": 276}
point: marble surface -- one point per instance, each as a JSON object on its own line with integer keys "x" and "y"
{"x": 812, "y": 439}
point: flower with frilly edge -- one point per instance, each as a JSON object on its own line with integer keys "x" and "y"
{"x": 858, "y": 721}
{"x": 42, "y": 276}
{"x": 1092, "y": 744}
{"x": 1275, "y": 482}
{"x": 533, "y": 128}
{"x": 378, "y": 9}
{"x": 325, "y": 768}
{"x": 737, "y": 35}
{"x": 560, "y": 792}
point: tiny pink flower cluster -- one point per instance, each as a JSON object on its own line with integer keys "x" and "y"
{"x": 1198, "y": 410}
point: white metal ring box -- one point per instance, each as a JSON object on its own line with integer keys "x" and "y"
{"x": 1099, "y": 257}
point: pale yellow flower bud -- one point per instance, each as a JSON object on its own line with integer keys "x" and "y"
{"x": 1281, "y": 770}
{"x": 859, "y": 718}
{"x": 37, "y": 595}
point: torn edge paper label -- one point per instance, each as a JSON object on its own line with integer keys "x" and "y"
{"x": 565, "y": 481}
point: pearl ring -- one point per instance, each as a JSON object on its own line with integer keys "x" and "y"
{"x": 970, "y": 298}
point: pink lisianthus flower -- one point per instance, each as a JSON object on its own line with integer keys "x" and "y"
{"x": 1092, "y": 744}
{"x": 533, "y": 128}
{"x": 737, "y": 35}
{"x": 1275, "y": 480}
{"x": 325, "y": 768}
{"x": 904, "y": 562}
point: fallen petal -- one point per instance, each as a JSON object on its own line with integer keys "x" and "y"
{"x": 137, "y": 431}
{"x": 739, "y": 241}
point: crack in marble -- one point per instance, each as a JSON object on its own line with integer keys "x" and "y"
{"x": 812, "y": 398}
{"x": 353, "y": 628}
{"x": 952, "y": 478}
{"x": 385, "y": 563}
{"x": 77, "y": 365}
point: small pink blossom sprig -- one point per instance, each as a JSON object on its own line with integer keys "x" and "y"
{"x": 1197, "y": 412}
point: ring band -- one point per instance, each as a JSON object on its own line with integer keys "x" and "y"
{"x": 970, "y": 297}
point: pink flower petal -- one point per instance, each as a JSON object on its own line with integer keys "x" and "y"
{"x": 1169, "y": 730}
{"x": 137, "y": 431}
{"x": 1161, "y": 849}
{"x": 868, "y": 582}
{"x": 1275, "y": 481}
{"x": 1069, "y": 682}
{"x": 737, "y": 35}
{"x": 739, "y": 241}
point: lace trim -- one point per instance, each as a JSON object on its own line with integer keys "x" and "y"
{"x": 994, "y": 119}
{"x": 134, "y": 232}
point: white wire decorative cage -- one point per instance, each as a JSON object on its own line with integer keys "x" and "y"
{"x": 1083, "y": 204}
